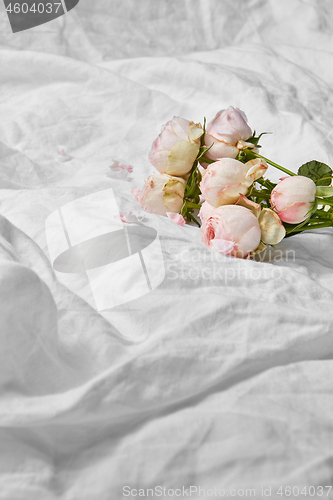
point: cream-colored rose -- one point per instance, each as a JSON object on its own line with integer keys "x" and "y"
{"x": 177, "y": 146}
{"x": 228, "y": 131}
{"x": 161, "y": 193}
{"x": 224, "y": 181}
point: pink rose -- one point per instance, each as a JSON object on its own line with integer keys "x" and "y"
{"x": 177, "y": 146}
{"x": 224, "y": 180}
{"x": 205, "y": 211}
{"x": 161, "y": 193}
{"x": 231, "y": 230}
{"x": 226, "y": 130}
{"x": 293, "y": 198}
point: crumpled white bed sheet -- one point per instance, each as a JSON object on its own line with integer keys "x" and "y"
{"x": 222, "y": 376}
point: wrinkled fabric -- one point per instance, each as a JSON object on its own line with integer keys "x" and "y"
{"x": 221, "y": 376}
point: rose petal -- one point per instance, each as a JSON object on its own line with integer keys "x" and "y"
{"x": 295, "y": 213}
{"x": 137, "y": 193}
{"x": 205, "y": 211}
{"x": 176, "y": 218}
{"x": 272, "y": 229}
{"x": 257, "y": 168}
{"x": 261, "y": 247}
{"x": 251, "y": 205}
{"x": 223, "y": 246}
{"x": 117, "y": 167}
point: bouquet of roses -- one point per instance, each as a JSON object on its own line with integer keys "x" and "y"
{"x": 218, "y": 170}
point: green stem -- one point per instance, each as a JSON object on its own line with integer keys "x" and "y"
{"x": 324, "y": 202}
{"x": 313, "y": 222}
{"x": 323, "y": 213}
{"x": 202, "y": 141}
{"x": 321, "y": 219}
{"x": 260, "y": 194}
{"x": 312, "y": 226}
{"x": 261, "y": 181}
{"x": 190, "y": 204}
{"x": 266, "y": 183}
{"x": 203, "y": 159}
{"x": 190, "y": 216}
{"x": 285, "y": 170}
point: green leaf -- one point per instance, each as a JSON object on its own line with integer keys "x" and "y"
{"x": 319, "y": 172}
{"x": 245, "y": 155}
{"x": 255, "y": 140}
{"x": 192, "y": 186}
{"x": 202, "y": 141}
{"x": 324, "y": 191}
{"x": 203, "y": 150}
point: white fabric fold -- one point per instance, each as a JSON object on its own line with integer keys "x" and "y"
{"x": 220, "y": 377}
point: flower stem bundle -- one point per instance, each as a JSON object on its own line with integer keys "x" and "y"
{"x": 215, "y": 175}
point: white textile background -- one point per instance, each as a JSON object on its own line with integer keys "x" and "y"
{"x": 221, "y": 376}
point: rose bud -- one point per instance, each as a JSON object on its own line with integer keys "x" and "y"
{"x": 231, "y": 230}
{"x": 293, "y": 198}
{"x": 224, "y": 180}
{"x": 227, "y": 129}
{"x": 161, "y": 193}
{"x": 176, "y": 148}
